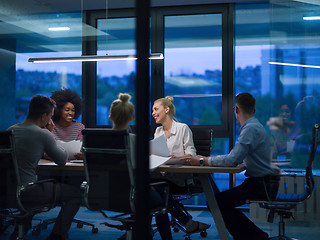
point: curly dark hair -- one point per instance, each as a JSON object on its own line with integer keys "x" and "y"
{"x": 62, "y": 97}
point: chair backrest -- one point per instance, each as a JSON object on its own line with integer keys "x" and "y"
{"x": 202, "y": 138}
{"x": 9, "y": 176}
{"x": 108, "y": 169}
{"x": 313, "y": 150}
{"x": 309, "y": 181}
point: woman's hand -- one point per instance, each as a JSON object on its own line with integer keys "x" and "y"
{"x": 78, "y": 156}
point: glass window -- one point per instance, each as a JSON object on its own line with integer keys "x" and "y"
{"x": 277, "y": 60}
{"x": 193, "y": 67}
{"x": 114, "y": 77}
{"x": 44, "y": 78}
{"x": 37, "y": 36}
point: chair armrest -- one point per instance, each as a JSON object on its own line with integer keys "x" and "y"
{"x": 84, "y": 187}
{"x": 29, "y": 187}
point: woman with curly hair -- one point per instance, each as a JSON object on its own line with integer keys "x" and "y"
{"x": 68, "y": 108}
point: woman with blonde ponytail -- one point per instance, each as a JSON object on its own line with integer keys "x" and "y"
{"x": 121, "y": 114}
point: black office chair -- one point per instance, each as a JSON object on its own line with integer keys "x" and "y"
{"x": 202, "y": 139}
{"x": 283, "y": 203}
{"x": 110, "y": 177}
{"x": 12, "y": 204}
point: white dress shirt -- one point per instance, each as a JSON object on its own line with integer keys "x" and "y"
{"x": 179, "y": 141}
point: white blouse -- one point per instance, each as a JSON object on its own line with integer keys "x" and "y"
{"x": 179, "y": 141}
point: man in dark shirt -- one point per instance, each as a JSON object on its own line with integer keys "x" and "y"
{"x": 32, "y": 139}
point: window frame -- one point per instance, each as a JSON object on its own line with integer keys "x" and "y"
{"x": 157, "y": 16}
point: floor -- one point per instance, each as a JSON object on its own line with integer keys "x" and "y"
{"x": 298, "y": 230}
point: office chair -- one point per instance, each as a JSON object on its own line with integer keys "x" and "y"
{"x": 202, "y": 139}
{"x": 110, "y": 177}
{"x": 283, "y": 203}
{"x": 11, "y": 202}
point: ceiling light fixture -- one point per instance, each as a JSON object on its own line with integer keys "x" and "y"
{"x": 294, "y": 65}
{"x": 58, "y": 28}
{"x": 311, "y": 18}
{"x": 93, "y": 58}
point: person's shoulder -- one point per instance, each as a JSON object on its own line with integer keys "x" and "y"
{"x": 180, "y": 124}
{"x": 11, "y": 128}
{"x": 79, "y": 125}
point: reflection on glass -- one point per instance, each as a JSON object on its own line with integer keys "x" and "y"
{"x": 114, "y": 77}
{"x": 193, "y": 67}
{"x": 44, "y": 78}
{"x": 287, "y": 96}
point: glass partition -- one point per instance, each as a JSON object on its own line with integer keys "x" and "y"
{"x": 39, "y": 35}
{"x": 193, "y": 67}
{"x": 277, "y": 60}
{"x": 114, "y": 77}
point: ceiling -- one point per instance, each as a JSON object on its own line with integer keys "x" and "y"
{"x": 17, "y": 7}
{"x": 24, "y": 23}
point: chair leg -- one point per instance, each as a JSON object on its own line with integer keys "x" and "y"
{"x": 129, "y": 235}
{"x": 20, "y": 232}
{"x": 281, "y": 235}
{"x": 281, "y": 227}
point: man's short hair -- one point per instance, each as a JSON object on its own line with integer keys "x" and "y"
{"x": 39, "y": 105}
{"x": 246, "y": 102}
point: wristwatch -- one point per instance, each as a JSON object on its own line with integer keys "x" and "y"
{"x": 201, "y": 161}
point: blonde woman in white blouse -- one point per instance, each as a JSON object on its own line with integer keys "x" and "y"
{"x": 180, "y": 143}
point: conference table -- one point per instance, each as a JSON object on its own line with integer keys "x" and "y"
{"x": 209, "y": 187}
{"x": 71, "y": 169}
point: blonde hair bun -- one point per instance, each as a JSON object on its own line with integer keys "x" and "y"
{"x": 124, "y": 97}
{"x": 169, "y": 98}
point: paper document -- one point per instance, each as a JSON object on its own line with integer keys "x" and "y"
{"x": 155, "y": 161}
{"x": 71, "y": 147}
{"x": 159, "y": 147}
{"x": 159, "y": 153}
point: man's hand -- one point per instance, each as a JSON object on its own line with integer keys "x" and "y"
{"x": 50, "y": 125}
{"x": 195, "y": 161}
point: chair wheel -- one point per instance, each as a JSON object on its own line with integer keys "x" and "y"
{"x": 36, "y": 231}
{"x": 175, "y": 229}
{"x": 79, "y": 225}
{"x": 187, "y": 238}
{"x": 203, "y": 234}
{"x": 94, "y": 230}
{"x": 44, "y": 226}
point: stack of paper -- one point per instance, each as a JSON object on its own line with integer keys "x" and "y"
{"x": 71, "y": 147}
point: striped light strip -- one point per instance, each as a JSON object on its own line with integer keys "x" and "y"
{"x": 294, "y": 65}
{"x": 93, "y": 58}
{"x": 311, "y": 18}
{"x": 58, "y": 28}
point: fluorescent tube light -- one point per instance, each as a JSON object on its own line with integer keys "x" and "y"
{"x": 58, "y": 28}
{"x": 312, "y": 18}
{"x": 294, "y": 65}
{"x": 93, "y": 58}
